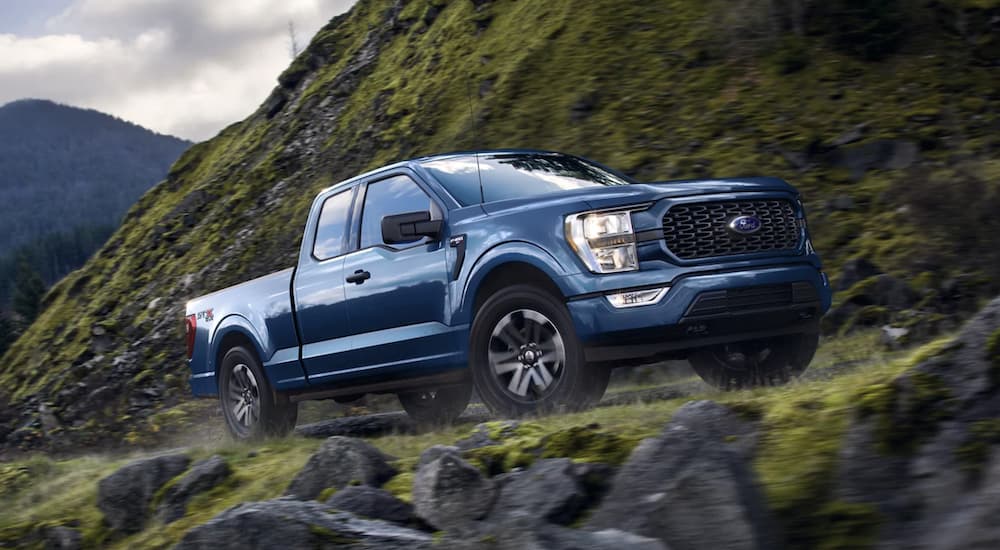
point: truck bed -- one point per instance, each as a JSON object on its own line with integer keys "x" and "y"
{"x": 264, "y": 307}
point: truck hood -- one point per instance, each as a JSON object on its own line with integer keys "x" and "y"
{"x": 610, "y": 197}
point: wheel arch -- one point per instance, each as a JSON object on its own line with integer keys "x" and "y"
{"x": 234, "y": 330}
{"x": 510, "y": 264}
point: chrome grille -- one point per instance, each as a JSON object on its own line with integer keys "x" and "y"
{"x": 701, "y": 230}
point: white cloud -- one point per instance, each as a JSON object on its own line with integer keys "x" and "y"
{"x": 184, "y": 67}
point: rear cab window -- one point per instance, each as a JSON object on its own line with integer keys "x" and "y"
{"x": 332, "y": 228}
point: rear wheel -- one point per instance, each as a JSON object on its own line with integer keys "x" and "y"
{"x": 250, "y": 406}
{"x": 438, "y": 406}
{"x": 525, "y": 356}
{"x": 765, "y": 362}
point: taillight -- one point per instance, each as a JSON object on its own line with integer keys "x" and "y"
{"x": 189, "y": 331}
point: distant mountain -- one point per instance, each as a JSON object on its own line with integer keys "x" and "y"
{"x": 67, "y": 177}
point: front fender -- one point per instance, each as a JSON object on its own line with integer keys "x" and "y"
{"x": 499, "y": 255}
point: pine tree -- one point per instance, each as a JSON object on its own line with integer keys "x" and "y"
{"x": 28, "y": 291}
{"x": 7, "y": 334}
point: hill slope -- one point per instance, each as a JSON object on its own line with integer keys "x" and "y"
{"x": 71, "y": 171}
{"x": 666, "y": 89}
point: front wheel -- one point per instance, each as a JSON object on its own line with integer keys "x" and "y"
{"x": 251, "y": 408}
{"x": 436, "y": 407}
{"x": 755, "y": 363}
{"x": 526, "y": 358}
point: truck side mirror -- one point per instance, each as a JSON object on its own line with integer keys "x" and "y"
{"x": 408, "y": 227}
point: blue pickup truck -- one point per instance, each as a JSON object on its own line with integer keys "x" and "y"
{"x": 525, "y": 275}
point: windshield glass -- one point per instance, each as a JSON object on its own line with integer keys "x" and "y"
{"x": 516, "y": 175}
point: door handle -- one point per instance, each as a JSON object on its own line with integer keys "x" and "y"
{"x": 359, "y": 277}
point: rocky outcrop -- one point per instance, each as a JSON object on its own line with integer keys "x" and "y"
{"x": 125, "y": 496}
{"x": 339, "y": 462}
{"x": 288, "y": 523}
{"x": 203, "y": 476}
{"x": 451, "y": 494}
{"x": 689, "y": 489}
{"x": 369, "y": 502}
{"x": 922, "y": 451}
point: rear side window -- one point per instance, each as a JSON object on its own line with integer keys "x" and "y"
{"x": 388, "y": 197}
{"x": 331, "y": 233}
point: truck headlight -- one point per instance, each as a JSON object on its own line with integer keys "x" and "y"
{"x": 603, "y": 240}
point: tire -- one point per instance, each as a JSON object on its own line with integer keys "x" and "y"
{"x": 252, "y": 409}
{"x": 756, "y": 363}
{"x": 526, "y": 358}
{"x": 436, "y": 407}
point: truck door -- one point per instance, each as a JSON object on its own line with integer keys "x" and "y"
{"x": 397, "y": 293}
{"x": 318, "y": 290}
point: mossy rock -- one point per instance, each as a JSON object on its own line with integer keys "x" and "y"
{"x": 588, "y": 444}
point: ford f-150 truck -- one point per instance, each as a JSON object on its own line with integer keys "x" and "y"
{"x": 525, "y": 275}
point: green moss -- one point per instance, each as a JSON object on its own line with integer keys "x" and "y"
{"x": 401, "y": 486}
{"x": 325, "y": 494}
{"x": 588, "y": 444}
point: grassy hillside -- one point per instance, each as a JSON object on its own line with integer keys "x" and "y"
{"x": 664, "y": 89}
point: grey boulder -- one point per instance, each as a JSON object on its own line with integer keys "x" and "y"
{"x": 549, "y": 490}
{"x": 373, "y": 503}
{"x": 288, "y": 523}
{"x": 339, "y": 462}
{"x": 434, "y": 452}
{"x": 689, "y": 490}
{"x": 451, "y": 494}
{"x": 125, "y": 496}
{"x": 203, "y": 476}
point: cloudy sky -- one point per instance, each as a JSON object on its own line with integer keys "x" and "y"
{"x": 181, "y": 67}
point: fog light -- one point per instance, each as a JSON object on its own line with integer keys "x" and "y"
{"x": 635, "y": 298}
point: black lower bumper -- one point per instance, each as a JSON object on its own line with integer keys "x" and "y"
{"x": 718, "y": 317}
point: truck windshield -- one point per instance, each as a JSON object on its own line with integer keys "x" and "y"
{"x": 516, "y": 175}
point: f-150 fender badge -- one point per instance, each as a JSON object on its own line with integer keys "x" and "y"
{"x": 206, "y": 315}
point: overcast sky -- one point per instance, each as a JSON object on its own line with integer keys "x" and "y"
{"x": 181, "y": 67}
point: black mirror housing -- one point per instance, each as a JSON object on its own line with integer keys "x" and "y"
{"x": 408, "y": 227}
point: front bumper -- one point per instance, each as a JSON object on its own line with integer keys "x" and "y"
{"x": 705, "y": 309}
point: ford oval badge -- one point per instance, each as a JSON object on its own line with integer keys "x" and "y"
{"x": 745, "y": 225}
